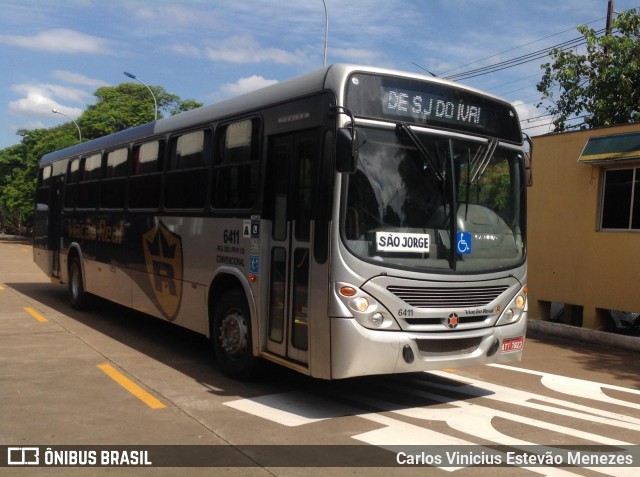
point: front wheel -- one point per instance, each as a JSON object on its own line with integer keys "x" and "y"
{"x": 231, "y": 336}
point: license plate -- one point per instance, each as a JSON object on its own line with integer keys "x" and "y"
{"x": 515, "y": 344}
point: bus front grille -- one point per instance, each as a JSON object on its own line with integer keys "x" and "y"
{"x": 452, "y": 347}
{"x": 438, "y": 297}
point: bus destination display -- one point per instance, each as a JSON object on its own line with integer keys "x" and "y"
{"x": 423, "y": 107}
{"x": 431, "y": 103}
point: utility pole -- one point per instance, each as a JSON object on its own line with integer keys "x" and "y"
{"x": 609, "y": 17}
{"x": 608, "y": 26}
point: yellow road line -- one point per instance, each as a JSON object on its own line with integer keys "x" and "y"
{"x": 132, "y": 387}
{"x": 36, "y": 315}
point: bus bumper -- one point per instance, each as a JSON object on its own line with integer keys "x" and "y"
{"x": 358, "y": 351}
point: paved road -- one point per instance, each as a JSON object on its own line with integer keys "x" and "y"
{"x": 114, "y": 377}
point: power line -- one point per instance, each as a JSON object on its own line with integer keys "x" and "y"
{"x": 516, "y": 47}
{"x": 528, "y": 120}
{"x": 519, "y": 60}
{"x": 572, "y": 126}
{"x": 511, "y": 82}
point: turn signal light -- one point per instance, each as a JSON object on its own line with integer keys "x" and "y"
{"x": 347, "y": 291}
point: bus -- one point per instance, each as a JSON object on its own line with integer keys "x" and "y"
{"x": 352, "y": 221}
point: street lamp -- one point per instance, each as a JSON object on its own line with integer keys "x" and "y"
{"x": 55, "y": 111}
{"x": 326, "y": 31}
{"x": 155, "y": 103}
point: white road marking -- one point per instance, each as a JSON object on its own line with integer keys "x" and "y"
{"x": 522, "y": 398}
{"x": 292, "y": 409}
{"x": 471, "y": 418}
{"x": 577, "y": 387}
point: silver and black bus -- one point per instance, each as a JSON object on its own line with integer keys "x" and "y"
{"x": 352, "y": 221}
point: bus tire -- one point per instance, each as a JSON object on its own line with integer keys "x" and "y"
{"x": 77, "y": 296}
{"x": 231, "y": 336}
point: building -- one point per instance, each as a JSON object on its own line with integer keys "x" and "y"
{"x": 584, "y": 225}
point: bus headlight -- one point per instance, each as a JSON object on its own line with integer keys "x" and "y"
{"x": 516, "y": 309}
{"x": 377, "y": 319}
{"x": 360, "y": 304}
{"x": 366, "y": 310}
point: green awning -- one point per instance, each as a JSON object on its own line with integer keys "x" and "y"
{"x": 615, "y": 148}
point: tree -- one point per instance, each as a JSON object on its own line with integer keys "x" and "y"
{"x": 601, "y": 85}
{"x": 19, "y": 169}
{"x": 128, "y": 105}
{"x": 117, "y": 108}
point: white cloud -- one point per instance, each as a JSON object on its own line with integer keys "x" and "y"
{"x": 185, "y": 49}
{"x": 245, "y": 85}
{"x": 530, "y": 120}
{"x": 67, "y": 93}
{"x": 39, "y": 99}
{"x": 169, "y": 14}
{"x": 355, "y": 55}
{"x": 76, "y": 78}
{"x": 59, "y": 41}
{"x": 245, "y": 49}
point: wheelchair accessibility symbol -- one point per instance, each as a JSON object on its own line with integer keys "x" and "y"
{"x": 463, "y": 243}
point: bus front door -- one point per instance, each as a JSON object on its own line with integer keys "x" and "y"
{"x": 292, "y": 160}
{"x": 47, "y": 227}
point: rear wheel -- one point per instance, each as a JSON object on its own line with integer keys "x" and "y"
{"x": 77, "y": 295}
{"x": 231, "y": 336}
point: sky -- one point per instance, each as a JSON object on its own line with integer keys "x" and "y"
{"x": 54, "y": 54}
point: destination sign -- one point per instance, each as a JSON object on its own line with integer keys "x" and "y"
{"x": 423, "y": 106}
{"x": 432, "y": 103}
{"x": 402, "y": 242}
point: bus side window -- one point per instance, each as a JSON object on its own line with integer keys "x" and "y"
{"x": 114, "y": 185}
{"x": 146, "y": 179}
{"x": 117, "y": 163}
{"x": 235, "y": 171}
{"x": 187, "y": 178}
{"x": 44, "y": 186}
{"x": 44, "y": 178}
{"x": 71, "y": 184}
{"x": 89, "y": 185}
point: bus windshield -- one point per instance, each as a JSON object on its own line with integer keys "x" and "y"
{"x": 398, "y": 205}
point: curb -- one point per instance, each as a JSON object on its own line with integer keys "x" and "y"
{"x": 631, "y": 343}
{"x": 16, "y": 239}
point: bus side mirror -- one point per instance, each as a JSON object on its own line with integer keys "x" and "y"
{"x": 347, "y": 150}
{"x": 528, "y": 172}
{"x": 528, "y": 176}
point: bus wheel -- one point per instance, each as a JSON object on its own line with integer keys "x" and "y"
{"x": 77, "y": 295}
{"x": 231, "y": 336}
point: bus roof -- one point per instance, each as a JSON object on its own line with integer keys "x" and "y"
{"x": 300, "y": 86}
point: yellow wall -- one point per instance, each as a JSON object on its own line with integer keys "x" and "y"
{"x": 570, "y": 261}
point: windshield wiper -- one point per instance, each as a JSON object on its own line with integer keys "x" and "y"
{"x": 434, "y": 165}
{"x": 481, "y": 160}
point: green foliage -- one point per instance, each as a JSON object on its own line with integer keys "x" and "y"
{"x": 492, "y": 190}
{"x": 17, "y": 173}
{"x": 602, "y": 84}
{"x": 117, "y": 108}
{"x": 128, "y": 105}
